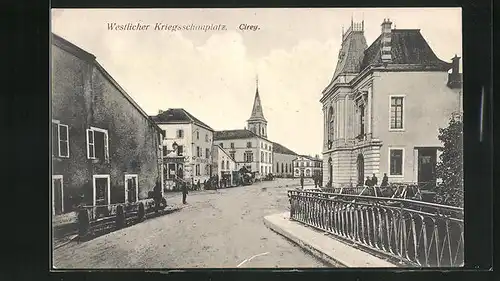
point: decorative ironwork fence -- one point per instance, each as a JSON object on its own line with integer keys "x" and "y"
{"x": 412, "y": 232}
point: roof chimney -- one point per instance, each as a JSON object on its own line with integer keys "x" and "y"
{"x": 454, "y": 79}
{"x": 160, "y": 111}
{"x": 386, "y": 41}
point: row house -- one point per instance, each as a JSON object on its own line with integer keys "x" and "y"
{"x": 223, "y": 165}
{"x": 283, "y": 160}
{"x": 187, "y": 146}
{"x": 105, "y": 148}
{"x": 384, "y": 106}
{"x": 307, "y": 166}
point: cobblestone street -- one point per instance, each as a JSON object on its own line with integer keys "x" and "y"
{"x": 215, "y": 229}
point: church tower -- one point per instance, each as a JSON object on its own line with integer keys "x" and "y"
{"x": 257, "y": 123}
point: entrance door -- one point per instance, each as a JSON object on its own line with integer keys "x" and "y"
{"x": 101, "y": 195}
{"x": 131, "y": 189}
{"x": 427, "y": 158}
{"x": 57, "y": 195}
{"x": 361, "y": 168}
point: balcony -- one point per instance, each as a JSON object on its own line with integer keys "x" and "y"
{"x": 360, "y": 140}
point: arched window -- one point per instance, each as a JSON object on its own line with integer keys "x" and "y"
{"x": 277, "y": 167}
{"x": 331, "y": 125}
{"x": 263, "y": 131}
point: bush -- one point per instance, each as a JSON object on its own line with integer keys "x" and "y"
{"x": 450, "y": 188}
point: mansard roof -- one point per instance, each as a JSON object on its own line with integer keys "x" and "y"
{"x": 408, "y": 47}
{"x": 351, "y": 54}
{"x": 178, "y": 115}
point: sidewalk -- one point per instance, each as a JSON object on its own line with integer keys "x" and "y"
{"x": 322, "y": 246}
{"x": 65, "y": 232}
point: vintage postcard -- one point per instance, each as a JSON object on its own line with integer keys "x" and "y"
{"x": 256, "y": 138}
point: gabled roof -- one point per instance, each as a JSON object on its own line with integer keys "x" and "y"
{"x": 71, "y": 48}
{"x": 235, "y": 134}
{"x": 351, "y": 54}
{"x": 178, "y": 115}
{"x": 225, "y": 152}
{"x": 278, "y": 148}
{"x": 408, "y": 46}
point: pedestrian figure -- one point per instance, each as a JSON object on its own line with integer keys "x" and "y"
{"x": 315, "y": 178}
{"x": 184, "y": 192}
{"x": 368, "y": 182}
{"x": 302, "y": 180}
{"x": 385, "y": 181}
{"x": 374, "y": 180}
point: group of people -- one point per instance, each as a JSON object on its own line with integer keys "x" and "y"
{"x": 216, "y": 183}
{"x": 371, "y": 182}
{"x": 318, "y": 180}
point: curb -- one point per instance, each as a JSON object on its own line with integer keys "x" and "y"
{"x": 71, "y": 238}
{"x": 326, "y": 248}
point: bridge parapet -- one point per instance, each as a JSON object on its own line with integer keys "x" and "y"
{"x": 410, "y": 232}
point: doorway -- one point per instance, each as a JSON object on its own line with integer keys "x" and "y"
{"x": 57, "y": 195}
{"x": 427, "y": 160}
{"x": 131, "y": 190}
{"x": 361, "y": 168}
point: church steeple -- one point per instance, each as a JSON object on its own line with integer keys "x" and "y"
{"x": 257, "y": 123}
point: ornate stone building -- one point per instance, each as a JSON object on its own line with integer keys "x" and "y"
{"x": 384, "y": 106}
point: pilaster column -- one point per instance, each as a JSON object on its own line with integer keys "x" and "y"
{"x": 337, "y": 119}
{"x": 369, "y": 119}
{"x": 325, "y": 131}
{"x": 346, "y": 117}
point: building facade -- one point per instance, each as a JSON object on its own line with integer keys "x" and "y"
{"x": 105, "y": 148}
{"x": 187, "y": 146}
{"x": 247, "y": 149}
{"x": 307, "y": 166}
{"x": 384, "y": 106}
{"x": 283, "y": 160}
{"x": 223, "y": 165}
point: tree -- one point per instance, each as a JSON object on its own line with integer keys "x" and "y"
{"x": 450, "y": 188}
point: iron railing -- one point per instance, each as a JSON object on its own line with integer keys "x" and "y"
{"x": 414, "y": 233}
{"x": 402, "y": 190}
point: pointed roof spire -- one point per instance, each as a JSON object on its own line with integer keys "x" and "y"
{"x": 257, "y": 83}
{"x": 257, "y": 112}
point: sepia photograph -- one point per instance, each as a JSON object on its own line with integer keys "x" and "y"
{"x": 256, "y": 138}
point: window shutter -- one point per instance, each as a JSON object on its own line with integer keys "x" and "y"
{"x": 106, "y": 146}
{"x": 89, "y": 132}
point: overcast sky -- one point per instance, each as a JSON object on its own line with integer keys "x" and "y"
{"x": 212, "y": 74}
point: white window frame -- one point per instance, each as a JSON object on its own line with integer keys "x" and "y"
{"x": 94, "y": 177}
{"x": 57, "y": 177}
{"x": 106, "y": 142}
{"x": 130, "y": 176}
{"x": 403, "y": 118}
{"x": 59, "y": 125}
{"x": 402, "y": 161}
{"x": 180, "y": 133}
{"x": 206, "y": 137}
